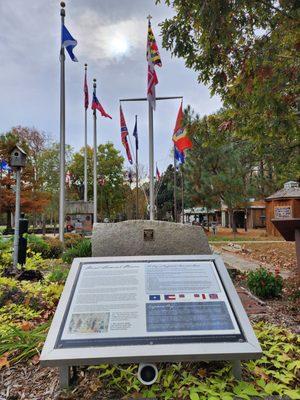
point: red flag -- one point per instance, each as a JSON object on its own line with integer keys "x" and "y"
{"x": 124, "y": 134}
{"x": 157, "y": 174}
{"x": 86, "y": 93}
{"x": 180, "y": 137}
{"x": 97, "y": 106}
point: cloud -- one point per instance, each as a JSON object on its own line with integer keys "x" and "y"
{"x": 104, "y": 41}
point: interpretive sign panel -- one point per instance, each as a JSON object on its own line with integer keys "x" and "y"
{"x": 140, "y": 300}
{"x": 282, "y": 212}
{"x": 158, "y": 308}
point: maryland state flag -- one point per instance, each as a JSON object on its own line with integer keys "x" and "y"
{"x": 180, "y": 137}
{"x": 153, "y": 59}
{"x": 124, "y": 134}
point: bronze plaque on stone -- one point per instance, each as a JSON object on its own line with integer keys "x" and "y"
{"x": 148, "y": 234}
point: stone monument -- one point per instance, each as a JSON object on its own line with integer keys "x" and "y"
{"x": 142, "y": 237}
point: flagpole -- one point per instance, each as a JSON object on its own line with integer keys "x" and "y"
{"x": 137, "y": 174}
{"x": 174, "y": 190}
{"x": 151, "y": 161}
{"x": 182, "y": 194}
{"x": 62, "y": 135}
{"x": 95, "y": 158}
{"x": 85, "y": 198}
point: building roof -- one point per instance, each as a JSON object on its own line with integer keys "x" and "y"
{"x": 285, "y": 193}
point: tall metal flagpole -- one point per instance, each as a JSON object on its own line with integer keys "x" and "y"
{"x": 182, "y": 194}
{"x": 95, "y": 158}
{"x": 136, "y": 174}
{"x": 85, "y": 197}
{"x": 62, "y": 135}
{"x": 151, "y": 156}
{"x": 151, "y": 161}
{"x": 174, "y": 184}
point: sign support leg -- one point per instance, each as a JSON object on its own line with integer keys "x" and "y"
{"x": 64, "y": 376}
{"x": 237, "y": 369}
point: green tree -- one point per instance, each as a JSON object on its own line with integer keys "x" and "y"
{"x": 248, "y": 52}
{"x": 110, "y": 179}
{"x": 165, "y": 194}
{"x": 219, "y": 167}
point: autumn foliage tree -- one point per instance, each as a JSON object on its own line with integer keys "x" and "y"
{"x": 33, "y": 198}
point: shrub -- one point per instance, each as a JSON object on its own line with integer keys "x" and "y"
{"x": 72, "y": 239}
{"x": 59, "y": 274}
{"x": 48, "y": 248}
{"x": 82, "y": 249}
{"x": 37, "y": 245}
{"x": 55, "y": 248}
{"x": 264, "y": 284}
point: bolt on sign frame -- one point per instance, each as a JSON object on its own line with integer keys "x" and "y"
{"x": 174, "y": 308}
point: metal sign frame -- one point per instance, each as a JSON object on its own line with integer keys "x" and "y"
{"x": 249, "y": 348}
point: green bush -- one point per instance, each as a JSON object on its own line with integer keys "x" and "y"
{"x": 264, "y": 284}
{"x": 37, "y": 244}
{"x": 48, "y": 248}
{"x": 82, "y": 249}
{"x": 59, "y": 274}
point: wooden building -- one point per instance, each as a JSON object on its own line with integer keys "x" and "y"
{"x": 283, "y": 204}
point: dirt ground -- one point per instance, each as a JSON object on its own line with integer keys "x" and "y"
{"x": 278, "y": 258}
{"x": 251, "y": 234}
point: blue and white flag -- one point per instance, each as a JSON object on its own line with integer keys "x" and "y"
{"x": 179, "y": 156}
{"x": 4, "y": 166}
{"x": 135, "y": 134}
{"x": 68, "y": 42}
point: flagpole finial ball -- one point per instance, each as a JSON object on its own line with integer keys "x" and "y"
{"x": 62, "y": 4}
{"x": 85, "y": 65}
{"x": 95, "y": 80}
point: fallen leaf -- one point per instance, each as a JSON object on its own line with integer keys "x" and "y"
{"x": 26, "y": 326}
{"x": 4, "y": 361}
{"x": 202, "y": 372}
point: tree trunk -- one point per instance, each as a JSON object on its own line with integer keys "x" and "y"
{"x": 43, "y": 225}
{"x": 232, "y": 221}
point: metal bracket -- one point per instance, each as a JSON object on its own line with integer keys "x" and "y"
{"x": 237, "y": 369}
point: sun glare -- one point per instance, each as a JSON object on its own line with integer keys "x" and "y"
{"x": 119, "y": 45}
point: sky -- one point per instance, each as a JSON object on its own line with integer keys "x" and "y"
{"x": 111, "y": 37}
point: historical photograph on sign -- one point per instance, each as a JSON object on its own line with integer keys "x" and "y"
{"x": 89, "y": 323}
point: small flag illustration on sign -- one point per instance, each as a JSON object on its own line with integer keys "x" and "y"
{"x": 203, "y": 296}
{"x": 154, "y": 297}
{"x": 170, "y": 297}
{"x": 213, "y": 296}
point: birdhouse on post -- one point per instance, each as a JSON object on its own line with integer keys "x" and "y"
{"x": 17, "y": 157}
